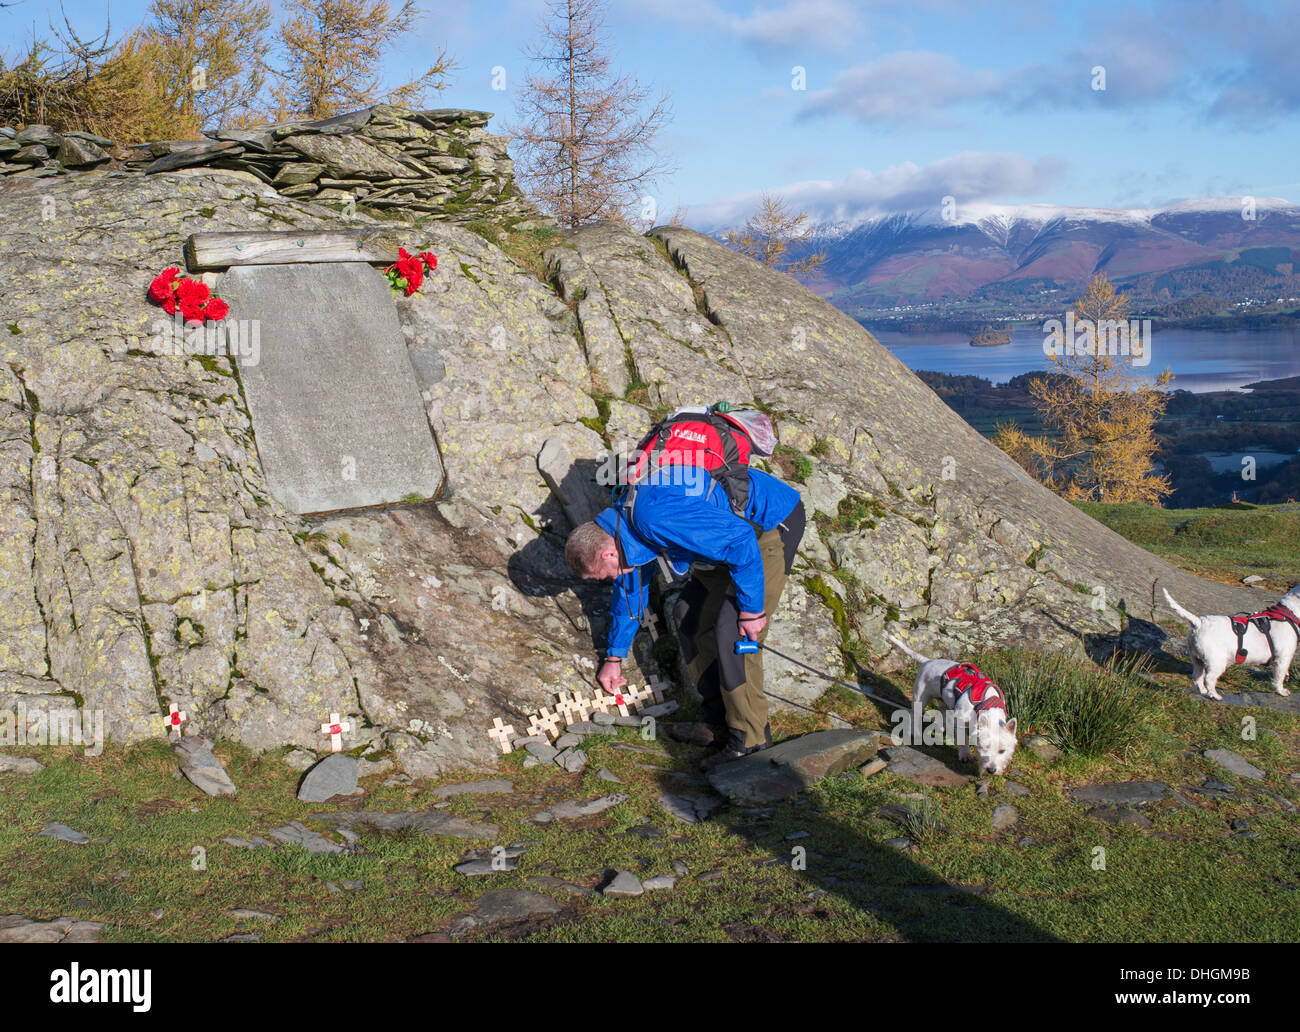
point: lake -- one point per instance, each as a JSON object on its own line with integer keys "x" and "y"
{"x": 1202, "y": 360}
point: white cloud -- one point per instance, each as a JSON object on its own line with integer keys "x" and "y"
{"x": 829, "y": 25}
{"x": 904, "y": 88}
{"x": 970, "y": 177}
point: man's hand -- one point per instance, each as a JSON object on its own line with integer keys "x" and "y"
{"x": 611, "y": 676}
{"x": 752, "y": 624}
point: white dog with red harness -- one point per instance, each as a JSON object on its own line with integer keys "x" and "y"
{"x": 978, "y": 705}
{"x": 1255, "y": 639}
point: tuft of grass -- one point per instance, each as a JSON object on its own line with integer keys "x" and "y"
{"x": 857, "y": 513}
{"x": 923, "y": 821}
{"x": 1086, "y": 709}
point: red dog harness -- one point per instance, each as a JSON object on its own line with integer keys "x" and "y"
{"x": 967, "y": 679}
{"x": 1263, "y": 621}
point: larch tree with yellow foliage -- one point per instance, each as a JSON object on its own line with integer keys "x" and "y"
{"x": 213, "y": 57}
{"x": 329, "y": 53}
{"x": 1100, "y": 417}
{"x": 112, "y": 88}
{"x": 770, "y": 232}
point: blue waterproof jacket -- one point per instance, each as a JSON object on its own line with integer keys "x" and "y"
{"x": 687, "y": 522}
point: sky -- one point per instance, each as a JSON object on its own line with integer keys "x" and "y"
{"x": 851, "y": 109}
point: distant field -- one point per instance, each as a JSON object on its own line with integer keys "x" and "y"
{"x": 1225, "y": 544}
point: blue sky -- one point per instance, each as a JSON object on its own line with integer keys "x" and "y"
{"x": 908, "y": 102}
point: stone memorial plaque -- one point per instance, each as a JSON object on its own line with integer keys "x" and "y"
{"x": 336, "y": 409}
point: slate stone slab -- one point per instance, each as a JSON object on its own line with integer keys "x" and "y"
{"x": 1004, "y": 816}
{"x": 572, "y": 760}
{"x": 1120, "y": 793}
{"x": 492, "y": 786}
{"x": 17, "y": 928}
{"x": 42, "y": 134}
{"x": 202, "y": 768}
{"x": 335, "y": 775}
{"x": 1262, "y": 700}
{"x": 788, "y": 768}
{"x": 506, "y": 905}
{"x": 336, "y": 410}
{"x": 346, "y": 157}
{"x": 477, "y": 868}
{"x": 691, "y": 809}
{"x": 426, "y": 822}
{"x": 295, "y": 833}
{"x": 55, "y": 830}
{"x": 19, "y": 765}
{"x": 623, "y": 885}
{"x": 574, "y": 808}
{"x": 1235, "y": 763}
{"x": 198, "y": 154}
{"x": 921, "y": 769}
{"x": 75, "y": 153}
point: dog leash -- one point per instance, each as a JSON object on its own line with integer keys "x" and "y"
{"x": 756, "y": 645}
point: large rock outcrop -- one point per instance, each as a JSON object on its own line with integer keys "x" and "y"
{"x": 143, "y": 562}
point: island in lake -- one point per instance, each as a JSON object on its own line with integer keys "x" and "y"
{"x": 988, "y": 337}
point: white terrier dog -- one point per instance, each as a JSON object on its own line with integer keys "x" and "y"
{"x": 1213, "y": 645}
{"x": 978, "y": 705}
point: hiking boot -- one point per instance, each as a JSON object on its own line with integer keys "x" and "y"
{"x": 696, "y": 732}
{"x": 734, "y": 749}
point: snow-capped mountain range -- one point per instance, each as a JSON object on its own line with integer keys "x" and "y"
{"x": 988, "y": 251}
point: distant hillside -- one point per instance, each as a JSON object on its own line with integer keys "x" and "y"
{"x": 1032, "y": 259}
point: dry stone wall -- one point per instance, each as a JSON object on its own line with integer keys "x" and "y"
{"x": 385, "y": 159}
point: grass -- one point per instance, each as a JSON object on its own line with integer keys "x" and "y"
{"x": 812, "y": 868}
{"x": 962, "y": 882}
{"x": 1083, "y": 708}
{"x": 1225, "y": 543}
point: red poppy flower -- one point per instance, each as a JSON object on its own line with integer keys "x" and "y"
{"x": 429, "y": 259}
{"x": 164, "y": 285}
{"x": 216, "y": 309}
{"x": 169, "y": 304}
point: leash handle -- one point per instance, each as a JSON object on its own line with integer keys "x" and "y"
{"x": 746, "y": 646}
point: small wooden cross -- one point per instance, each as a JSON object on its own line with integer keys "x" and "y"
{"x": 581, "y": 707}
{"x": 601, "y": 701}
{"x": 642, "y": 697}
{"x": 174, "y": 719}
{"x": 620, "y": 703}
{"x": 657, "y": 688}
{"x": 650, "y": 622}
{"x": 335, "y": 729}
{"x": 564, "y": 707}
{"x": 501, "y": 734}
{"x": 544, "y": 723}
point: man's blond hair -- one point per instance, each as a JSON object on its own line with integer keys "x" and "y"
{"x": 584, "y": 546}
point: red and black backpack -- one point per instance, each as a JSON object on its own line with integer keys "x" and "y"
{"x": 716, "y": 440}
